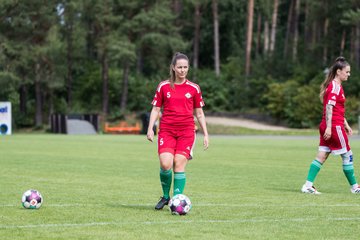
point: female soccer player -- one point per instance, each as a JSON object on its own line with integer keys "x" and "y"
{"x": 179, "y": 99}
{"x": 333, "y": 127}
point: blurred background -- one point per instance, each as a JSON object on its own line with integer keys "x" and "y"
{"x": 262, "y": 58}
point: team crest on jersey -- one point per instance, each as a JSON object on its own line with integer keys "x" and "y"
{"x": 188, "y": 95}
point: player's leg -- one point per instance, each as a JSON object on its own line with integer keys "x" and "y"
{"x": 348, "y": 169}
{"x": 314, "y": 169}
{"x": 315, "y": 166}
{"x": 166, "y": 163}
{"x": 183, "y": 153}
{"x": 166, "y": 145}
{"x": 180, "y": 162}
{"x": 341, "y": 147}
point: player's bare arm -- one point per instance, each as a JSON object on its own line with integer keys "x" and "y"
{"x": 328, "y": 117}
{"x": 200, "y": 116}
{"x": 347, "y": 127}
{"x": 155, "y": 112}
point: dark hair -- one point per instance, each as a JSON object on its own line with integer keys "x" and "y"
{"x": 339, "y": 63}
{"x": 176, "y": 57}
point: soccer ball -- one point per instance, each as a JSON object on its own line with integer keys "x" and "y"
{"x": 32, "y": 199}
{"x": 180, "y": 204}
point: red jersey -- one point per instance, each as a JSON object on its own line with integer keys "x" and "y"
{"x": 178, "y": 104}
{"x": 334, "y": 95}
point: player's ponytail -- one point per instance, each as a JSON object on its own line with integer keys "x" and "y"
{"x": 339, "y": 63}
{"x": 176, "y": 57}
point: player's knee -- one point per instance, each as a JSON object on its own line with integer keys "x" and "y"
{"x": 322, "y": 156}
{"x": 347, "y": 158}
{"x": 321, "y": 159}
{"x": 166, "y": 165}
{"x": 180, "y": 163}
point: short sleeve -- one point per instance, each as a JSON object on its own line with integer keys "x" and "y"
{"x": 198, "y": 100}
{"x": 157, "y": 100}
{"x": 333, "y": 94}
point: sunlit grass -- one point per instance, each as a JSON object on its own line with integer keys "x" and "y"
{"x": 233, "y": 130}
{"x": 106, "y": 186}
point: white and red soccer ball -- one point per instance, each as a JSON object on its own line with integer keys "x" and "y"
{"x": 32, "y": 199}
{"x": 180, "y": 204}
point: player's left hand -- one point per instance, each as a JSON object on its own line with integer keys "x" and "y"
{"x": 349, "y": 130}
{"x": 206, "y": 142}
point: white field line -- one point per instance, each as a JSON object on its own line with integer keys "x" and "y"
{"x": 197, "y": 205}
{"x": 137, "y": 223}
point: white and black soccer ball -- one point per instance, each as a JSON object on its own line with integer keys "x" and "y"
{"x": 180, "y": 204}
{"x": 32, "y": 199}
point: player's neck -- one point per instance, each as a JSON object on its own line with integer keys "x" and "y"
{"x": 337, "y": 80}
{"x": 180, "y": 81}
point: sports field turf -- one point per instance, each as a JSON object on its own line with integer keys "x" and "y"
{"x": 106, "y": 186}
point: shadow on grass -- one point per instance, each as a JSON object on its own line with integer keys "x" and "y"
{"x": 142, "y": 207}
{"x": 288, "y": 190}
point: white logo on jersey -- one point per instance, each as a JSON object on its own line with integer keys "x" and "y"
{"x": 188, "y": 148}
{"x": 168, "y": 95}
{"x": 333, "y": 97}
{"x": 188, "y": 95}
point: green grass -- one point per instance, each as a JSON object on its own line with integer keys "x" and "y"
{"x": 105, "y": 187}
{"x": 233, "y": 130}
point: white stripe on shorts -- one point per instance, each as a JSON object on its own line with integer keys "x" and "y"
{"x": 341, "y": 136}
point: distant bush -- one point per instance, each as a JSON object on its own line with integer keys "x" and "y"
{"x": 352, "y": 110}
{"x": 299, "y": 106}
{"x": 216, "y": 91}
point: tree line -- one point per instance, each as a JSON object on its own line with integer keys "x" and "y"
{"x": 107, "y": 56}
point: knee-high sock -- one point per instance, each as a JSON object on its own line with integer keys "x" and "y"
{"x": 314, "y": 170}
{"x": 166, "y": 179}
{"x": 179, "y": 182}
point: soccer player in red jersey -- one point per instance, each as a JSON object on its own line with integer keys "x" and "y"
{"x": 177, "y": 100}
{"x": 333, "y": 128}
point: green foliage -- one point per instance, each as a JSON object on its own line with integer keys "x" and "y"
{"x": 298, "y": 105}
{"x": 69, "y": 39}
{"x": 233, "y": 74}
{"x": 278, "y": 97}
{"x": 8, "y": 84}
{"x": 351, "y": 17}
{"x": 307, "y": 109}
{"x": 156, "y": 36}
{"x": 352, "y": 85}
{"x": 89, "y": 95}
{"x": 141, "y": 92}
{"x": 91, "y": 85}
{"x": 352, "y": 110}
{"x": 215, "y": 90}
{"x": 22, "y": 119}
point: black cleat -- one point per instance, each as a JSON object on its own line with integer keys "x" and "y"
{"x": 162, "y": 202}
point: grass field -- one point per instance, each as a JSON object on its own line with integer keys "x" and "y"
{"x": 106, "y": 186}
